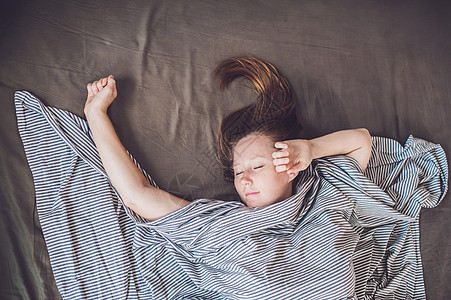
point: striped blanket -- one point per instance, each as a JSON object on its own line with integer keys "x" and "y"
{"x": 343, "y": 235}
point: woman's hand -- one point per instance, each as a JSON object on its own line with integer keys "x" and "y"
{"x": 101, "y": 94}
{"x": 293, "y": 156}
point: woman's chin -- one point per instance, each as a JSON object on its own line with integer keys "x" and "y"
{"x": 256, "y": 202}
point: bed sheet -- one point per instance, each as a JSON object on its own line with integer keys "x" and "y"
{"x": 381, "y": 65}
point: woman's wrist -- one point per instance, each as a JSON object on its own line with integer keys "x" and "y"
{"x": 92, "y": 112}
{"x": 315, "y": 149}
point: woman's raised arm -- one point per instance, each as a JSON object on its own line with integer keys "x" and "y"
{"x": 296, "y": 155}
{"x": 147, "y": 201}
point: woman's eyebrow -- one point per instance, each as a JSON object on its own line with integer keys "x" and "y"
{"x": 252, "y": 159}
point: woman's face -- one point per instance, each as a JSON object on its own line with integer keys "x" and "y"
{"x": 256, "y": 179}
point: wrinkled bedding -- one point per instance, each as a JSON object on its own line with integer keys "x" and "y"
{"x": 384, "y": 66}
{"x": 341, "y": 236}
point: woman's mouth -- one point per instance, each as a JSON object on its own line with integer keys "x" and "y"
{"x": 251, "y": 194}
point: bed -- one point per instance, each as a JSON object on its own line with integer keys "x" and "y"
{"x": 384, "y": 66}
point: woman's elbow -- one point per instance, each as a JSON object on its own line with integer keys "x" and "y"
{"x": 366, "y": 138}
{"x": 365, "y": 148}
{"x": 132, "y": 195}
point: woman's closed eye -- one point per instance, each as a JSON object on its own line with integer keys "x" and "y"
{"x": 237, "y": 173}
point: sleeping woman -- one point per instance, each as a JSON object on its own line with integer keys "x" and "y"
{"x": 257, "y": 144}
{"x": 334, "y": 217}
{"x": 318, "y": 219}
{"x": 260, "y": 151}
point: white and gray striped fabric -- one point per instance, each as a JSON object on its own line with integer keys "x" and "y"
{"x": 343, "y": 235}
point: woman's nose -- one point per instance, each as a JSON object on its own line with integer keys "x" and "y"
{"x": 246, "y": 180}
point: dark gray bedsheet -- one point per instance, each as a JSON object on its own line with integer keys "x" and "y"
{"x": 383, "y": 65}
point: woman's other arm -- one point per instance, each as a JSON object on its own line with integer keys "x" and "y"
{"x": 147, "y": 201}
{"x": 296, "y": 155}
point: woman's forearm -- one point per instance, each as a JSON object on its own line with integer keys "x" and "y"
{"x": 123, "y": 173}
{"x": 354, "y": 142}
{"x": 340, "y": 142}
{"x": 144, "y": 199}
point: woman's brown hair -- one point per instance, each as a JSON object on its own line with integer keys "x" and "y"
{"x": 272, "y": 115}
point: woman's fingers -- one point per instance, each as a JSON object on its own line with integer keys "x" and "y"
{"x": 281, "y": 158}
{"x": 88, "y": 87}
{"x": 281, "y": 161}
{"x": 281, "y": 145}
{"x": 99, "y": 85}
{"x": 281, "y": 168}
{"x": 96, "y": 86}
{"x": 110, "y": 82}
{"x": 279, "y": 154}
{"x": 281, "y": 164}
{"x": 293, "y": 156}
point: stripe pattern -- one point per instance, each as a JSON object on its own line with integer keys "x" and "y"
{"x": 343, "y": 235}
